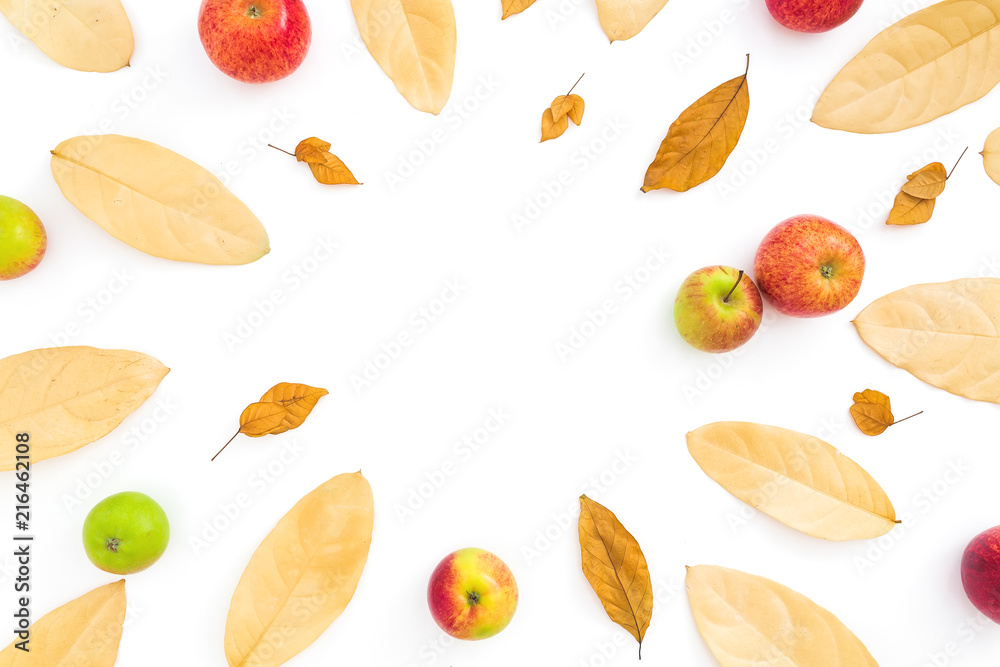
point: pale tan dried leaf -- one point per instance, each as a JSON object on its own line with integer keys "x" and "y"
{"x": 552, "y": 128}
{"x": 67, "y": 397}
{"x": 85, "y": 35}
{"x": 624, "y": 19}
{"x": 946, "y": 334}
{"x": 414, "y": 42}
{"x": 303, "y": 575}
{"x": 750, "y": 621}
{"x": 85, "y": 631}
{"x": 928, "y": 64}
{"x": 616, "y": 568}
{"x": 157, "y": 201}
{"x": 927, "y": 182}
{"x": 511, "y": 7}
{"x": 795, "y": 478}
{"x": 909, "y": 210}
{"x": 702, "y": 138}
{"x": 991, "y": 156}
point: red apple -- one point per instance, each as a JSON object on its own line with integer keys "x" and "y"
{"x": 472, "y": 594}
{"x": 255, "y": 41}
{"x": 717, "y": 309}
{"x": 812, "y": 15}
{"x": 22, "y": 239}
{"x": 981, "y": 572}
{"x": 808, "y": 266}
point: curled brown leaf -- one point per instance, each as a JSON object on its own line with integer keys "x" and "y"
{"x": 872, "y": 412}
{"x": 326, "y": 167}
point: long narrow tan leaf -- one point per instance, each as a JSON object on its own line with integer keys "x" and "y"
{"x": 795, "y": 478}
{"x": 302, "y": 575}
{"x": 157, "y": 201}
{"x": 750, "y": 621}
{"x": 67, "y": 397}
{"x": 414, "y": 42}
{"x": 85, "y": 35}
{"x": 85, "y": 631}
{"x": 624, "y": 19}
{"x": 930, "y": 63}
{"x": 511, "y": 7}
{"x": 616, "y": 569}
{"x": 946, "y": 334}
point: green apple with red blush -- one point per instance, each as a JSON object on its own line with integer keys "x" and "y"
{"x": 472, "y": 594}
{"x": 717, "y": 309}
{"x": 22, "y": 239}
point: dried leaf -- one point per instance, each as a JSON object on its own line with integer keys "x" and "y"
{"x": 926, "y": 182}
{"x": 303, "y": 575}
{"x": 909, "y": 210}
{"x": 871, "y": 418}
{"x": 571, "y": 105}
{"x": 552, "y": 128}
{"x": 413, "y": 41}
{"x": 624, "y": 19}
{"x": 749, "y": 620}
{"x": 85, "y": 631}
{"x": 991, "y": 156}
{"x": 85, "y": 35}
{"x": 511, "y": 7}
{"x": 700, "y": 141}
{"x": 874, "y": 397}
{"x": 930, "y": 63}
{"x": 326, "y": 167}
{"x": 946, "y": 334}
{"x": 283, "y": 407}
{"x": 157, "y": 201}
{"x": 616, "y": 569}
{"x": 67, "y": 397}
{"x": 795, "y": 478}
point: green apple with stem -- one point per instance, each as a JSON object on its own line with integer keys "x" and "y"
{"x": 125, "y": 533}
{"x": 717, "y": 309}
{"x": 22, "y": 239}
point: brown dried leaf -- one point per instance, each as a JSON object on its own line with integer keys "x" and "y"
{"x": 326, "y": 167}
{"x": 259, "y": 419}
{"x": 552, "y": 128}
{"x": 872, "y": 396}
{"x": 909, "y": 210}
{"x": 616, "y": 569}
{"x": 511, "y": 7}
{"x": 871, "y": 418}
{"x": 571, "y": 105}
{"x": 283, "y": 407}
{"x": 926, "y": 182}
{"x": 701, "y": 139}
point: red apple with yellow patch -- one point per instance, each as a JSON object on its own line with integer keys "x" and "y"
{"x": 472, "y": 594}
{"x": 808, "y": 266}
{"x": 255, "y": 41}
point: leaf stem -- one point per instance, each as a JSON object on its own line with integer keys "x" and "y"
{"x": 577, "y": 81}
{"x": 235, "y": 434}
{"x": 905, "y": 418}
{"x": 281, "y": 149}
{"x": 748, "y": 67}
{"x": 739, "y": 278}
{"x": 956, "y": 163}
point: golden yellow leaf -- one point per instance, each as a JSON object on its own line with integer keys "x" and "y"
{"x": 795, "y": 478}
{"x": 552, "y": 128}
{"x": 926, "y": 182}
{"x": 946, "y": 334}
{"x": 749, "y": 620}
{"x": 85, "y": 631}
{"x": 700, "y": 141}
{"x": 67, "y": 397}
{"x": 616, "y": 569}
{"x": 260, "y": 419}
{"x": 991, "y": 156}
{"x": 303, "y": 575}
{"x": 326, "y": 167}
{"x": 85, "y": 35}
{"x": 909, "y": 210}
{"x": 413, "y": 41}
{"x": 871, "y": 418}
{"x": 874, "y": 397}
{"x": 624, "y": 19}
{"x": 571, "y": 105}
{"x": 157, "y": 201}
{"x": 283, "y": 407}
{"x": 928, "y": 64}
{"x": 511, "y": 7}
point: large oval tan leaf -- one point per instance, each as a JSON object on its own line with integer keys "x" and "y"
{"x": 750, "y": 621}
{"x": 85, "y": 631}
{"x": 930, "y": 63}
{"x": 624, "y": 19}
{"x": 157, "y": 201}
{"x": 302, "y": 575}
{"x": 85, "y": 35}
{"x": 795, "y": 478}
{"x": 67, "y": 397}
{"x": 991, "y": 156}
{"x": 946, "y": 334}
{"x": 414, "y": 42}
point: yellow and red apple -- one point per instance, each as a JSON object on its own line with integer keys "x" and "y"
{"x": 812, "y": 15}
{"x": 22, "y": 239}
{"x": 808, "y": 266}
{"x": 981, "y": 573}
{"x": 717, "y": 309}
{"x": 255, "y": 41}
{"x": 472, "y": 594}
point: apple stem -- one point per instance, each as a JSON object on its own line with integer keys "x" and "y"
{"x": 253, "y": 12}
{"x": 112, "y": 545}
{"x": 281, "y": 149}
{"x": 226, "y": 445}
{"x": 574, "y": 85}
{"x": 725, "y": 299}
{"x": 905, "y": 418}
{"x": 472, "y": 597}
{"x": 956, "y": 163}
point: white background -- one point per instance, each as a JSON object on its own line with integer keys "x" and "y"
{"x": 622, "y": 394}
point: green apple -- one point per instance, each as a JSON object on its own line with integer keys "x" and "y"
{"x": 22, "y": 239}
{"x": 125, "y": 533}
{"x": 717, "y": 309}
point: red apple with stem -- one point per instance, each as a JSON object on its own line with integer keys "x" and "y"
{"x": 717, "y": 309}
{"x": 981, "y": 573}
{"x": 472, "y": 594}
{"x": 812, "y": 15}
{"x": 808, "y": 266}
{"x": 255, "y": 41}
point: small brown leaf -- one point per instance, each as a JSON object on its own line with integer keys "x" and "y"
{"x": 616, "y": 569}
{"x": 552, "y": 128}
{"x": 260, "y": 419}
{"x": 326, "y": 167}
{"x": 927, "y": 182}
{"x": 872, "y": 396}
{"x": 571, "y": 105}
{"x": 908, "y": 210}
{"x": 564, "y": 108}
{"x": 511, "y": 7}
{"x": 872, "y": 412}
{"x": 283, "y": 407}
